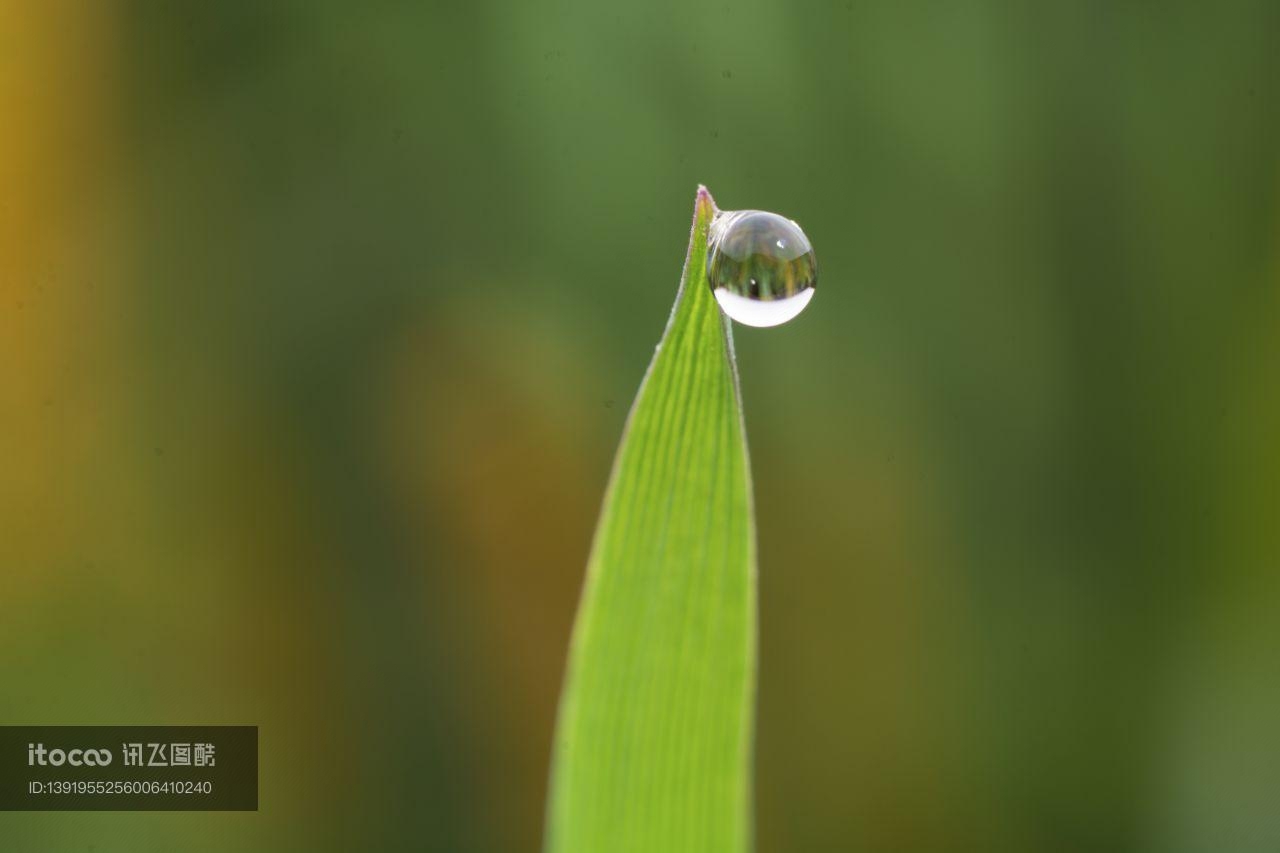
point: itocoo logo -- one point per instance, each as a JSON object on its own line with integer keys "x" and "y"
{"x": 37, "y": 754}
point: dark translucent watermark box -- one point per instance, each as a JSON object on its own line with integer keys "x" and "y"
{"x": 128, "y": 768}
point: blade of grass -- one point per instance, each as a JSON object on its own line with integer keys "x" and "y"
{"x": 653, "y": 747}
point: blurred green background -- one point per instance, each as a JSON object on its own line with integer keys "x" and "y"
{"x": 319, "y": 323}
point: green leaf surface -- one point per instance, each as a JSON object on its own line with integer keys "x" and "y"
{"x": 653, "y": 748}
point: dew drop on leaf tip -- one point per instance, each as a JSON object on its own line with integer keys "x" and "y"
{"x": 760, "y": 266}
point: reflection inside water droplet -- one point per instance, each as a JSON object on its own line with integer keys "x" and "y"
{"x": 761, "y": 267}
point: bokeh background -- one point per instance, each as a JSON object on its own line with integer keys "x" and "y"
{"x": 319, "y": 322}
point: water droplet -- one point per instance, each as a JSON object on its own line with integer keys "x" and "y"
{"x": 760, "y": 266}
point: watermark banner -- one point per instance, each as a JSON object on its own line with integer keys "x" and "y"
{"x": 128, "y": 768}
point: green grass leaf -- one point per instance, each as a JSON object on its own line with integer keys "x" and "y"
{"x": 653, "y": 748}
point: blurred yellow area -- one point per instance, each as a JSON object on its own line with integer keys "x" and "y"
{"x": 55, "y": 158}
